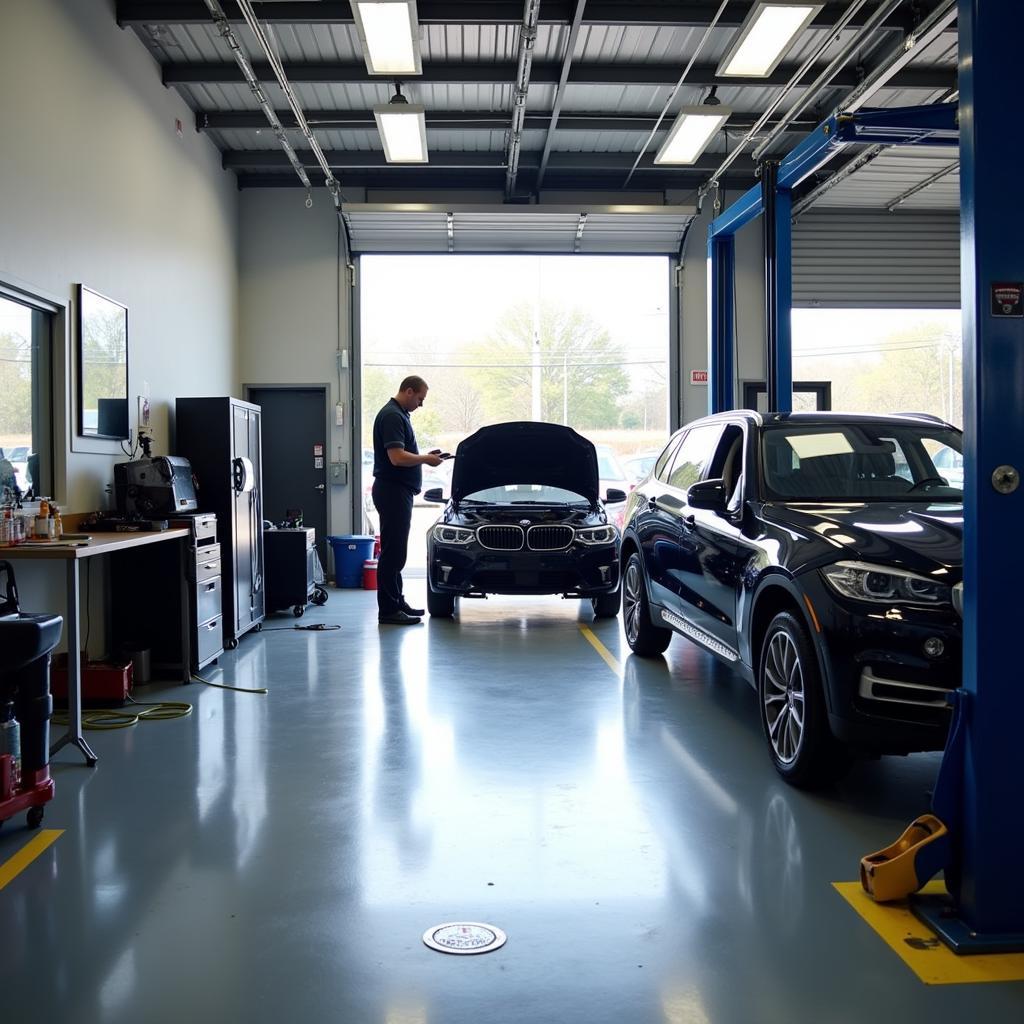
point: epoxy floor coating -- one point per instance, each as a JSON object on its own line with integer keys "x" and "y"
{"x": 278, "y": 858}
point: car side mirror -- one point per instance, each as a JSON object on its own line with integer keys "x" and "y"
{"x": 435, "y": 495}
{"x": 614, "y": 496}
{"x": 709, "y": 494}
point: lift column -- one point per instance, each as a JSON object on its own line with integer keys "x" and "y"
{"x": 988, "y": 912}
{"x": 778, "y": 288}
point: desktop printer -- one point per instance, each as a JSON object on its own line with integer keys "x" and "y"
{"x": 155, "y": 487}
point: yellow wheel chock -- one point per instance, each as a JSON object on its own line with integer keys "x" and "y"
{"x": 905, "y": 866}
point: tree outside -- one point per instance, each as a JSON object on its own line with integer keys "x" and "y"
{"x": 883, "y": 361}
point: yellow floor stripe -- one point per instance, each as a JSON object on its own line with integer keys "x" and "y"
{"x": 28, "y": 853}
{"x": 609, "y": 658}
{"x": 919, "y": 947}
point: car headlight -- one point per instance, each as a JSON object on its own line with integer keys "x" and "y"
{"x": 453, "y": 534}
{"x": 597, "y": 535}
{"x": 884, "y": 584}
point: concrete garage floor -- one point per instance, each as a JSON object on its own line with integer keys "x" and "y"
{"x": 278, "y": 858}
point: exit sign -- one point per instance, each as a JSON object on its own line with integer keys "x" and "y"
{"x": 698, "y": 376}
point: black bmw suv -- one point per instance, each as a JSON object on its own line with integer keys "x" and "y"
{"x": 819, "y": 554}
{"x": 524, "y": 517}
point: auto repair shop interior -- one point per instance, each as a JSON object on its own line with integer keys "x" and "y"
{"x": 707, "y": 716}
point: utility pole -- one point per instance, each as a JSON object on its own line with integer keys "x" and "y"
{"x": 565, "y": 388}
{"x": 536, "y": 411}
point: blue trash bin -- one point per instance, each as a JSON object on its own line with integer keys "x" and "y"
{"x": 350, "y": 551}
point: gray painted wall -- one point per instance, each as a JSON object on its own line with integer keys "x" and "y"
{"x": 290, "y": 315}
{"x": 96, "y": 187}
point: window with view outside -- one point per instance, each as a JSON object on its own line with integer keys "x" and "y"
{"x": 862, "y": 462}
{"x": 883, "y": 360}
{"x": 578, "y": 340}
{"x": 24, "y": 400}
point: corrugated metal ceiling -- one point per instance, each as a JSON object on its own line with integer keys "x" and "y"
{"x": 634, "y": 46}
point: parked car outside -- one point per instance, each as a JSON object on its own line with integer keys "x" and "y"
{"x": 612, "y": 477}
{"x": 525, "y": 516}
{"x": 638, "y": 466}
{"x": 789, "y": 547}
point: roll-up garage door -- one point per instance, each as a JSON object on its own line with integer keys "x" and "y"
{"x": 434, "y": 228}
{"x": 867, "y": 259}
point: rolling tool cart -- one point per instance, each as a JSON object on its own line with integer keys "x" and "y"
{"x": 26, "y": 641}
{"x": 292, "y": 566}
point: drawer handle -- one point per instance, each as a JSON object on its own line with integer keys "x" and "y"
{"x": 211, "y": 586}
{"x": 211, "y": 626}
{"x": 209, "y": 565}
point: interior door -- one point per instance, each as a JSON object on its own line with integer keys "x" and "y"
{"x": 295, "y": 456}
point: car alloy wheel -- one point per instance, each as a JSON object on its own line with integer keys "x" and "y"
{"x": 783, "y": 697}
{"x": 793, "y": 712}
{"x": 631, "y": 601}
{"x": 643, "y": 637}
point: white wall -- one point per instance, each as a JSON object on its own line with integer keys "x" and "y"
{"x": 96, "y": 187}
{"x": 290, "y": 316}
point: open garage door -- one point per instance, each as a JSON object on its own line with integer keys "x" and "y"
{"x": 490, "y": 228}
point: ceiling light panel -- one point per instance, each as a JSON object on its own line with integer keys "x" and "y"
{"x": 764, "y": 38}
{"x": 693, "y": 129}
{"x": 389, "y": 33}
{"x": 403, "y": 131}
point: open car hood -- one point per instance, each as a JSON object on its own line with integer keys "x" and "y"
{"x": 525, "y": 453}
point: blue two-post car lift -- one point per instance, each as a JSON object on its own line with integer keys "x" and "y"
{"x": 978, "y": 795}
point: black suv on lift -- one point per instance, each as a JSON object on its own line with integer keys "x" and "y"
{"x": 821, "y": 555}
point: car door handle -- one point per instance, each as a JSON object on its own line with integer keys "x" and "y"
{"x": 667, "y": 503}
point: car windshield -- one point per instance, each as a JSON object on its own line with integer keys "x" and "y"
{"x": 863, "y": 461}
{"x": 520, "y": 494}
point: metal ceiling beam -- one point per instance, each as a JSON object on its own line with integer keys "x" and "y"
{"x": 556, "y": 107}
{"x": 395, "y": 176}
{"x": 556, "y": 12}
{"x": 234, "y": 159}
{"x": 459, "y": 120}
{"x": 542, "y": 73}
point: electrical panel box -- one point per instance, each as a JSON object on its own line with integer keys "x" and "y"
{"x": 339, "y": 473}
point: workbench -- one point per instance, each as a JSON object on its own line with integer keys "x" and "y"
{"x": 73, "y": 553}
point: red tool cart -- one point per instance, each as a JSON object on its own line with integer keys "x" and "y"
{"x": 26, "y": 641}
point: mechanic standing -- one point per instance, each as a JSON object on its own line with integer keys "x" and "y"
{"x": 397, "y": 477}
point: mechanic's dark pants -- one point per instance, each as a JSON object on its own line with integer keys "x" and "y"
{"x": 394, "y": 505}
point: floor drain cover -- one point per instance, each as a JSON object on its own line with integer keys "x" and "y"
{"x": 464, "y": 937}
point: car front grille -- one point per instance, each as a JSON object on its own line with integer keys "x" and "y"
{"x": 500, "y": 538}
{"x": 549, "y": 538}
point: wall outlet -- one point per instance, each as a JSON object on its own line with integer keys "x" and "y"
{"x": 339, "y": 414}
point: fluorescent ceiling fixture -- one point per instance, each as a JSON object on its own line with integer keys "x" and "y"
{"x": 403, "y": 130}
{"x": 389, "y": 32}
{"x": 694, "y": 128}
{"x": 764, "y": 37}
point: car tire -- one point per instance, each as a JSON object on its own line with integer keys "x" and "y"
{"x": 440, "y": 606}
{"x": 793, "y": 714}
{"x": 607, "y": 605}
{"x": 643, "y": 637}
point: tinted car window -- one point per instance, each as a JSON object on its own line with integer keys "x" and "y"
{"x": 661, "y": 466}
{"x": 856, "y": 462}
{"x": 694, "y": 454}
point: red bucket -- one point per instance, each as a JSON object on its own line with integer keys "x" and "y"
{"x": 370, "y": 574}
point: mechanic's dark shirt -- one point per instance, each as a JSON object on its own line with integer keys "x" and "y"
{"x": 393, "y": 429}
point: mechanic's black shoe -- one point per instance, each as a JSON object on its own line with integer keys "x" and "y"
{"x": 398, "y": 618}
{"x": 412, "y": 611}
